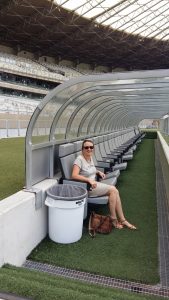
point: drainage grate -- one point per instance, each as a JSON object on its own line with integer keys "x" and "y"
{"x": 134, "y": 287}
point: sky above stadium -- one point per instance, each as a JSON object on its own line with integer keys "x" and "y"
{"x": 148, "y": 18}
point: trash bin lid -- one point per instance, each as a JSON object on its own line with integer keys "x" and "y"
{"x": 67, "y": 192}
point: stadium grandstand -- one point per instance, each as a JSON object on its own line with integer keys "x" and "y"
{"x": 73, "y": 70}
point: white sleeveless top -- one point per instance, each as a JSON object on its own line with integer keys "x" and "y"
{"x": 87, "y": 168}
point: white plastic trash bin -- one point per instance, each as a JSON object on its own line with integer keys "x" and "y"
{"x": 65, "y": 212}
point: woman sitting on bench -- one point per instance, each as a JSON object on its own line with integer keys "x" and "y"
{"x": 84, "y": 170}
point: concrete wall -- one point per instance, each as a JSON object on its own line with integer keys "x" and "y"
{"x": 163, "y": 149}
{"x": 22, "y": 226}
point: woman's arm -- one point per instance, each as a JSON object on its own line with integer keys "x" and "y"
{"x": 76, "y": 175}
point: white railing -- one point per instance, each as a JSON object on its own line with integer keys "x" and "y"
{"x": 14, "y": 123}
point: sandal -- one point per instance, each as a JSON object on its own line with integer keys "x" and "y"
{"x": 116, "y": 224}
{"x": 126, "y": 224}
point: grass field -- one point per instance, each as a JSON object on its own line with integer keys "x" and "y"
{"x": 123, "y": 254}
{"x": 12, "y": 162}
{"x": 130, "y": 255}
{"x": 39, "y": 286}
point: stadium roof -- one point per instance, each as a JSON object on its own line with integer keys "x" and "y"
{"x": 130, "y": 34}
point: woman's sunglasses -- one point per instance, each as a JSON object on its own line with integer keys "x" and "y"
{"x": 88, "y": 147}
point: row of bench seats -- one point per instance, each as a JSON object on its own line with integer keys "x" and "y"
{"x": 111, "y": 153}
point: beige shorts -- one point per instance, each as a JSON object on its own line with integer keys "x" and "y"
{"x": 101, "y": 189}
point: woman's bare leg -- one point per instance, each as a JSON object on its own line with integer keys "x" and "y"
{"x": 119, "y": 209}
{"x": 114, "y": 198}
{"x": 113, "y": 207}
{"x": 112, "y": 203}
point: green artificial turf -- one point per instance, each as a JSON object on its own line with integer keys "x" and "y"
{"x": 40, "y": 286}
{"x": 12, "y": 162}
{"x": 126, "y": 254}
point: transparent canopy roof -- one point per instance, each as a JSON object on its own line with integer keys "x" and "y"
{"x": 92, "y": 105}
{"x": 148, "y": 18}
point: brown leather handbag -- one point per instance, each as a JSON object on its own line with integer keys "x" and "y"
{"x": 99, "y": 223}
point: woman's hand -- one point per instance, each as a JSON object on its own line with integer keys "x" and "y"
{"x": 93, "y": 183}
{"x": 101, "y": 174}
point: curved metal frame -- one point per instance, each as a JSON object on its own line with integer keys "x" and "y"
{"x": 95, "y": 105}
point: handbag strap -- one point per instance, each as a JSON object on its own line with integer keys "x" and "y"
{"x": 92, "y": 232}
